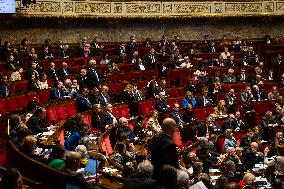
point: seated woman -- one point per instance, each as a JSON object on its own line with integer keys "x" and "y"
{"x": 18, "y": 130}
{"x": 120, "y": 155}
{"x": 56, "y": 158}
{"x": 222, "y": 111}
{"x": 29, "y": 148}
{"x": 230, "y": 141}
{"x": 17, "y": 74}
{"x": 84, "y": 154}
{"x": 153, "y": 123}
{"x": 42, "y": 82}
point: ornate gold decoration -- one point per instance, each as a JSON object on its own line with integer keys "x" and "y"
{"x": 141, "y": 9}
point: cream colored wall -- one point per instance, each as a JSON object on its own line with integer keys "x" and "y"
{"x": 120, "y": 30}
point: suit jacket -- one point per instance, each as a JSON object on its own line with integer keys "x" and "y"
{"x": 245, "y": 141}
{"x": 200, "y": 101}
{"x": 250, "y": 159}
{"x": 138, "y": 95}
{"x": 228, "y": 125}
{"x": 177, "y": 117}
{"x": 94, "y": 76}
{"x": 108, "y": 118}
{"x": 229, "y": 78}
{"x": 139, "y": 181}
{"x": 61, "y": 53}
{"x": 55, "y": 93}
{"x": 103, "y": 99}
{"x": 163, "y": 151}
{"x": 259, "y": 96}
{"x": 162, "y": 105}
{"x": 83, "y": 103}
{"x": 240, "y": 78}
{"x": 188, "y": 116}
{"x": 31, "y": 72}
{"x": 126, "y": 97}
{"x": 98, "y": 121}
{"x": 52, "y": 74}
{"x": 83, "y": 82}
{"x": 245, "y": 97}
{"x": 63, "y": 72}
{"x": 230, "y": 99}
{"x": 37, "y": 125}
{"x": 4, "y": 90}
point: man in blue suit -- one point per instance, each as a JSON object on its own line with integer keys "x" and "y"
{"x": 83, "y": 101}
{"x": 57, "y": 91}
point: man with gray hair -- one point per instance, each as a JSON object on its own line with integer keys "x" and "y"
{"x": 183, "y": 181}
{"x": 142, "y": 178}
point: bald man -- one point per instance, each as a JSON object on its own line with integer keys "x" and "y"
{"x": 252, "y": 156}
{"x": 162, "y": 147}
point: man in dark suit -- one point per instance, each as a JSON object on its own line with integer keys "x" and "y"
{"x": 204, "y": 99}
{"x": 267, "y": 122}
{"x": 37, "y": 123}
{"x": 63, "y": 52}
{"x": 258, "y": 95}
{"x": 229, "y": 123}
{"x": 83, "y": 101}
{"x": 32, "y": 71}
{"x": 162, "y": 148}
{"x": 121, "y": 51}
{"x": 4, "y": 89}
{"x": 277, "y": 62}
{"x": 131, "y": 45}
{"x": 133, "y": 58}
{"x": 138, "y": 95}
{"x": 251, "y": 156}
{"x": 83, "y": 80}
{"x": 93, "y": 74}
{"x": 98, "y": 120}
{"x": 57, "y": 92}
{"x": 230, "y": 171}
{"x": 161, "y": 103}
{"x": 230, "y": 99}
{"x": 45, "y": 53}
{"x": 151, "y": 59}
{"x": 52, "y": 73}
{"x": 242, "y": 77}
{"x": 103, "y": 98}
{"x": 246, "y": 140}
{"x": 109, "y": 117}
{"x": 175, "y": 115}
{"x": 63, "y": 71}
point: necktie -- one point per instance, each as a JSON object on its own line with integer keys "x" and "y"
{"x": 6, "y": 91}
{"x": 105, "y": 99}
{"x": 96, "y": 74}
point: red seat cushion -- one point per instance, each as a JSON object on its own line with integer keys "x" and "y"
{"x": 3, "y": 106}
{"x": 44, "y": 96}
{"x": 220, "y": 144}
{"x": 71, "y": 109}
{"x": 32, "y": 97}
{"x": 51, "y": 115}
{"x": 11, "y": 104}
{"x": 61, "y": 112}
{"x": 200, "y": 114}
{"x": 123, "y": 111}
{"x": 22, "y": 101}
{"x": 145, "y": 107}
{"x": 21, "y": 86}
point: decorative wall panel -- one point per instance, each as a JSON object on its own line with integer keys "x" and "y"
{"x": 142, "y": 8}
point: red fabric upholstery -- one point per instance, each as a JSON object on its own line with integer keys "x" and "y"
{"x": 22, "y": 101}
{"x": 32, "y": 96}
{"x": 177, "y": 138}
{"x": 220, "y": 144}
{"x": 145, "y": 107}
{"x": 61, "y": 112}
{"x": 51, "y": 115}
{"x": 105, "y": 144}
{"x": 11, "y": 104}
{"x": 200, "y": 114}
{"x": 261, "y": 108}
{"x": 3, "y": 107}
{"x": 123, "y": 111}
{"x": 44, "y": 96}
{"x": 21, "y": 86}
{"x": 71, "y": 109}
{"x": 87, "y": 119}
{"x": 115, "y": 112}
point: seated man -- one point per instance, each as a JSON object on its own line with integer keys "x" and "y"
{"x": 251, "y": 156}
{"x": 83, "y": 101}
{"x": 247, "y": 95}
{"x": 57, "y": 92}
{"x": 103, "y": 98}
{"x": 98, "y": 120}
{"x": 72, "y": 164}
{"x": 258, "y": 95}
{"x": 188, "y": 99}
{"x": 230, "y": 77}
{"x": 37, "y": 123}
{"x": 161, "y": 103}
{"x": 175, "y": 115}
{"x": 204, "y": 99}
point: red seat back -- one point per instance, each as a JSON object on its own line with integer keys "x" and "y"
{"x": 61, "y": 112}
{"x": 123, "y": 111}
{"x": 44, "y": 96}
{"x": 145, "y": 107}
{"x": 22, "y": 101}
{"x": 71, "y": 109}
{"x": 87, "y": 119}
{"x": 51, "y": 115}
{"x": 177, "y": 138}
{"x": 220, "y": 144}
{"x": 11, "y": 104}
{"x": 200, "y": 114}
{"x": 21, "y": 86}
{"x": 3, "y": 106}
{"x": 32, "y": 97}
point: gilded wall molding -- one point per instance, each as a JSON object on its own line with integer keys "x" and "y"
{"x": 128, "y": 9}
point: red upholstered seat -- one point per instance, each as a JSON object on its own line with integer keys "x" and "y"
{"x": 22, "y": 101}
{"x": 87, "y": 119}
{"x": 114, "y": 87}
{"x": 71, "y": 109}
{"x": 239, "y": 135}
{"x": 209, "y": 110}
{"x": 220, "y": 144}
{"x": 44, "y": 96}
{"x": 105, "y": 144}
{"x": 51, "y": 115}
{"x": 61, "y": 112}
{"x": 32, "y": 97}
{"x": 200, "y": 114}
{"x": 115, "y": 112}
{"x": 11, "y": 104}
{"x": 3, "y": 106}
{"x": 173, "y": 100}
{"x": 80, "y": 61}
{"x": 261, "y": 107}
{"x": 123, "y": 111}
{"x": 21, "y": 86}
{"x": 145, "y": 107}
{"x": 177, "y": 138}
{"x": 172, "y": 92}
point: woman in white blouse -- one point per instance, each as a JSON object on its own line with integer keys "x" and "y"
{"x": 42, "y": 82}
{"x": 16, "y": 75}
